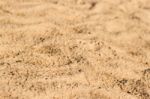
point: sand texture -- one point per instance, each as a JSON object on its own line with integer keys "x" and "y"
{"x": 74, "y": 49}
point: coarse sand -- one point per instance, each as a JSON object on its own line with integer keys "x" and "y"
{"x": 74, "y": 49}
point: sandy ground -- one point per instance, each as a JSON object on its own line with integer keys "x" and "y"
{"x": 74, "y": 49}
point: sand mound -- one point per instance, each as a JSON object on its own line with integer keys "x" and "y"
{"x": 74, "y": 49}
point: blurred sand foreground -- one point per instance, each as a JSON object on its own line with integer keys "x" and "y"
{"x": 74, "y": 49}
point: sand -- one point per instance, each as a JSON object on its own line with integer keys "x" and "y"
{"x": 74, "y": 49}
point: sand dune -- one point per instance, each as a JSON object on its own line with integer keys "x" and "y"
{"x": 74, "y": 49}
